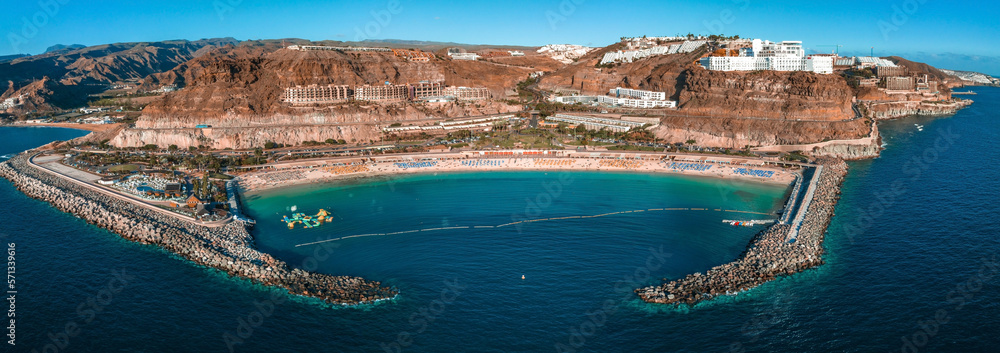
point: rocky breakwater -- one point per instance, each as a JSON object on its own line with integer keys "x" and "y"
{"x": 769, "y": 255}
{"x": 228, "y": 248}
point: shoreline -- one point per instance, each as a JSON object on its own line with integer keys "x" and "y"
{"x": 84, "y": 127}
{"x": 333, "y": 169}
{"x": 390, "y": 176}
{"x": 229, "y": 248}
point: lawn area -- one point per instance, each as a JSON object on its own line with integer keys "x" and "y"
{"x": 526, "y": 141}
{"x": 635, "y": 148}
{"x": 124, "y": 168}
{"x": 215, "y": 175}
{"x": 589, "y": 143}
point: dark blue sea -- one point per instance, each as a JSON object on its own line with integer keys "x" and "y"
{"x": 913, "y": 262}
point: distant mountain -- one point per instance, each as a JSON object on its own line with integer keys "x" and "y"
{"x": 86, "y": 70}
{"x": 62, "y": 47}
{"x": 7, "y": 58}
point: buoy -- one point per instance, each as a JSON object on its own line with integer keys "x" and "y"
{"x": 522, "y": 276}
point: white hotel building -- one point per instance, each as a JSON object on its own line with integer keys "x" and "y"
{"x": 624, "y": 97}
{"x": 766, "y": 55}
{"x": 637, "y": 94}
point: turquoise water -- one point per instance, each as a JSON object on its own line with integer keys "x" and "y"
{"x": 916, "y": 257}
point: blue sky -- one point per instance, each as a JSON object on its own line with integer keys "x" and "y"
{"x": 949, "y": 34}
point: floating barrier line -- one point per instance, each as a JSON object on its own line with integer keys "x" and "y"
{"x": 540, "y": 220}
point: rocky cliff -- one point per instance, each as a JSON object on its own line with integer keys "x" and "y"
{"x": 250, "y": 80}
{"x": 738, "y": 133}
{"x": 351, "y": 122}
{"x": 895, "y": 110}
{"x": 765, "y": 94}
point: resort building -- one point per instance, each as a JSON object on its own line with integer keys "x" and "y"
{"x": 464, "y": 56}
{"x": 872, "y": 61}
{"x": 596, "y": 123}
{"x": 899, "y": 83}
{"x": 426, "y": 89}
{"x": 637, "y": 94}
{"x": 632, "y": 55}
{"x": 382, "y": 93}
{"x": 467, "y": 93}
{"x": 636, "y": 103}
{"x": 413, "y": 55}
{"x": 891, "y": 71}
{"x": 783, "y": 49}
{"x": 329, "y": 48}
{"x": 317, "y": 94}
{"x": 766, "y": 55}
{"x": 516, "y": 53}
{"x": 617, "y": 101}
{"x": 10, "y": 102}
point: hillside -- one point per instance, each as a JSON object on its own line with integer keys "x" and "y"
{"x": 250, "y": 80}
{"x": 71, "y": 74}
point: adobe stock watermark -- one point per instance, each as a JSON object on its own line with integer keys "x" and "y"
{"x": 625, "y": 288}
{"x": 763, "y": 320}
{"x": 565, "y": 9}
{"x": 246, "y": 324}
{"x": 31, "y": 25}
{"x": 551, "y": 191}
{"x": 225, "y": 7}
{"x": 86, "y": 311}
{"x": 380, "y": 20}
{"x": 913, "y": 168}
{"x": 424, "y": 316}
{"x": 959, "y": 297}
{"x": 900, "y": 16}
{"x": 726, "y": 17}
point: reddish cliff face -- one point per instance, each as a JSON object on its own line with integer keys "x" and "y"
{"x": 249, "y": 81}
{"x": 738, "y": 133}
{"x": 765, "y": 94}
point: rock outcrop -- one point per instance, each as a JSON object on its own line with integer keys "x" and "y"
{"x": 895, "y": 110}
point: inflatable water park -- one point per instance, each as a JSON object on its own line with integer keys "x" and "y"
{"x": 308, "y": 221}
{"x": 749, "y": 223}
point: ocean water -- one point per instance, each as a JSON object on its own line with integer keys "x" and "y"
{"x": 907, "y": 244}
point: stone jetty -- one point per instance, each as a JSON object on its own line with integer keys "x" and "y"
{"x": 228, "y": 248}
{"x": 769, "y": 254}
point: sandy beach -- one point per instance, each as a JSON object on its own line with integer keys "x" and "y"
{"x": 306, "y": 172}
{"x": 88, "y": 127}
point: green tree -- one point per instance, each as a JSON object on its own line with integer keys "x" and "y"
{"x": 580, "y": 129}
{"x": 690, "y": 142}
{"x": 172, "y": 148}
